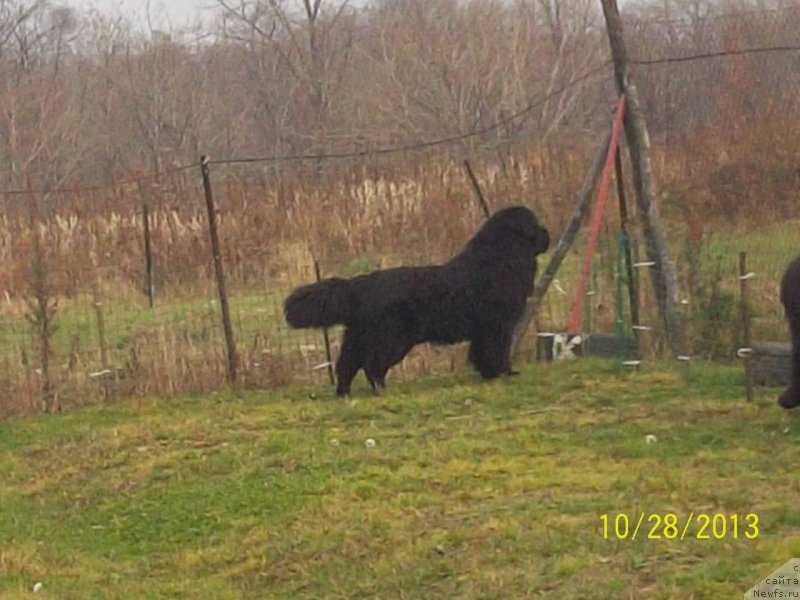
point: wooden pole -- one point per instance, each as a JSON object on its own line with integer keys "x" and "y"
{"x": 564, "y": 242}
{"x": 745, "y": 312}
{"x": 663, "y": 271}
{"x": 476, "y": 186}
{"x": 149, "y": 282}
{"x": 233, "y": 359}
{"x": 325, "y": 336}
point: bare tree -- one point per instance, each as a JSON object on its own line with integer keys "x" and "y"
{"x": 41, "y": 123}
{"x": 161, "y": 85}
{"x": 444, "y": 69}
{"x": 298, "y": 61}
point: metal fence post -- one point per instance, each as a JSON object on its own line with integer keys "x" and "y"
{"x": 233, "y": 359}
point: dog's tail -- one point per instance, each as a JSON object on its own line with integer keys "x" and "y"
{"x": 321, "y": 304}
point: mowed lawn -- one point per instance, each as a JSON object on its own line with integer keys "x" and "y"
{"x": 472, "y": 490}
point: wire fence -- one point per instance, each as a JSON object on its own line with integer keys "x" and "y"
{"x": 81, "y": 320}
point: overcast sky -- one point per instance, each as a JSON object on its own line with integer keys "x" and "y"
{"x": 178, "y": 13}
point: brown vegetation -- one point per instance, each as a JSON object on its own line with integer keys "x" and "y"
{"x": 86, "y": 101}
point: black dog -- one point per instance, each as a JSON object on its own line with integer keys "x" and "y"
{"x": 790, "y": 298}
{"x": 478, "y": 296}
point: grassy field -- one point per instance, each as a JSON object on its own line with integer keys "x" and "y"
{"x": 472, "y": 490}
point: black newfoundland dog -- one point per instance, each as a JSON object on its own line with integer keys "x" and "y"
{"x": 790, "y": 298}
{"x": 479, "y": 296}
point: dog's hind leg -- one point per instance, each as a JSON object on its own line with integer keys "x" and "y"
{"x": 351, "y": 359}
{"x": 385, "y": 353}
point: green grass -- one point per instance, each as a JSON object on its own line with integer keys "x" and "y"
{"x": 473, "y": 490}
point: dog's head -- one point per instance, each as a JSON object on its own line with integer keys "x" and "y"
{"x": 518, "y": 221}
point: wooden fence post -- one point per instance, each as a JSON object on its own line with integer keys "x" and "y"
{"x": 149, "y": 282}
{"x": 477, "y": 187}
{"x": 233, "y": 359}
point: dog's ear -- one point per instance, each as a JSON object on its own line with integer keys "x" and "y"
{"x": 542, "y": 240}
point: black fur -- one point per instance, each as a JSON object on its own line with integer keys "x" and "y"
{"x": 790, "y": 298}
{"x": 478, "y": 296}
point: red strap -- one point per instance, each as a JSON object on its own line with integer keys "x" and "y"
{"x": 597, "y": 217}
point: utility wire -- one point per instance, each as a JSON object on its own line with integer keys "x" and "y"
{"x": 722, "y": 53}
{"x": 98, "y": 187}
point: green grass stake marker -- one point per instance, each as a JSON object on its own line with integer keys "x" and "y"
{"x": 619, "y": 321}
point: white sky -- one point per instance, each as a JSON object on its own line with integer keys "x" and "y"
{"x": 164, "y": 13}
